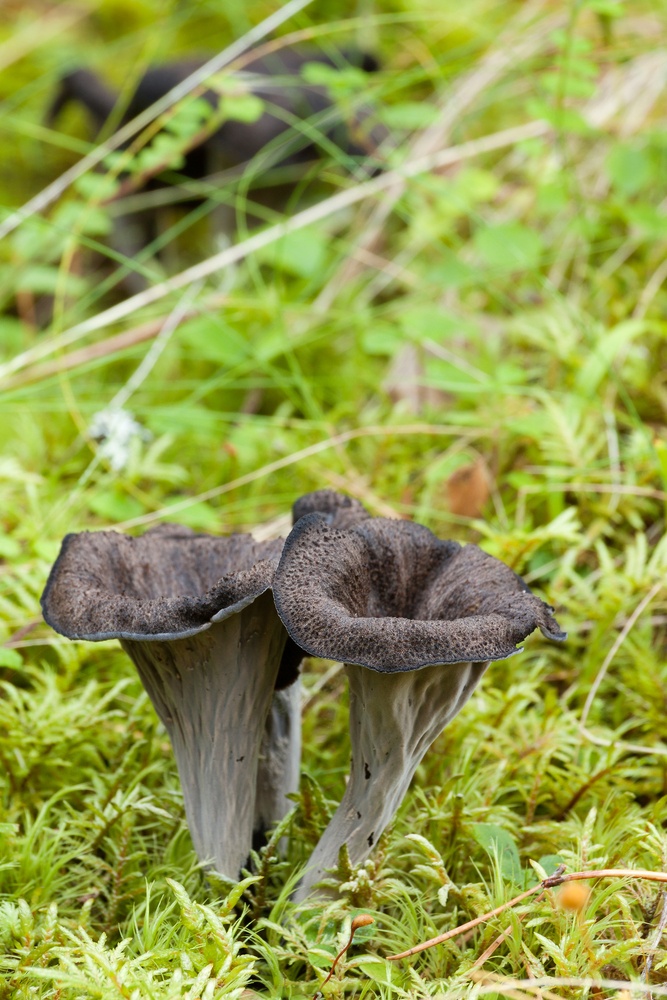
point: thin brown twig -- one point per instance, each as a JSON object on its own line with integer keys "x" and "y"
{"x": 462, "y": 928}
{"x": 493, "y": 977}
{"x": 109, "y": 346}
{"x": 547, "y": 883}
{"x": 23, "y": 631}
{"x": 101, "y": 349}
{"x": 495, "y": 944}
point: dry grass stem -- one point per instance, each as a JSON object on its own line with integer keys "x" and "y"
{"x": 618, "y": 642}
{"x": 239, "y": 251}
{"x": 547, "y": 883}
{"x": 515, "y": 45}
{"x": 535, "y": 987}
{"x": 53, "y": 191}
{"x": 51, "y": 23}
{"x": 299, "y": 456}
{"x": 540, "y": 987}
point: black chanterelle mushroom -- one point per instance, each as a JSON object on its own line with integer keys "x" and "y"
{"x": 416, "y": 620}
{"x": 195, "y": 614}
{"x": 280, "y": 756}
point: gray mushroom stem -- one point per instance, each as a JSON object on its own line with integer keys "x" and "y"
{"x": 194, "y": 613}
{"x": 213, "y": 692}
{"x": 279, "y": 766}
{"x": 394, "y": 718}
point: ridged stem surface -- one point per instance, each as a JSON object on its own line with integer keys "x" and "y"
{"x": 394, "y": 718}
{"x": 279, "y": 760}
{"x": 213, "y": 692}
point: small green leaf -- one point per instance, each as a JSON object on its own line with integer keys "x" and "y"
{"x": 77, "y": 215}
{"x": 629, "y": 169}
{"x": 497, "y": 842}
{"x": 43, "y": 280}
{"x": 246, "y": 108}
{"x": 408, "y": 115}
{"x": 338, "y": 81}
{"x": 113, "y": 506}
{"x": 450, "y": 271}
{"x": 189, "y": 118}
{"x": 379, "y": 970}
{"x": 428, "y": 323}
{"x": 476, "y": 185}
{"x": 303, "y": 254}
{"x": 382, "y": 339}
{"x": 509, "y": 246}
{"x": 211, "y": 338}
{"x": 96, "y": 187}
{"x": 10, "y": 658}
{"x": 164, "y": 153}
{"x": 647, "y": 219}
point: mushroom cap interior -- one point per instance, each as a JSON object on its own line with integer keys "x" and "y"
{"x": 166, "y": 584}
{"x": 391, "y": 596}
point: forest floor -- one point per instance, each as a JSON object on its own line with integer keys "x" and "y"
{"x": 477, "y": 343}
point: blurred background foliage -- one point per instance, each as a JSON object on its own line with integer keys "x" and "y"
{"x": 486, "y": 355}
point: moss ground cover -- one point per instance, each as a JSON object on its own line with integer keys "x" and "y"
{"x": 477, "y": 343}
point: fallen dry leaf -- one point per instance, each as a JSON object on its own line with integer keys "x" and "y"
{"x": 468, "y": 489}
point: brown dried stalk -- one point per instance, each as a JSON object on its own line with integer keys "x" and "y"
{"x": 110, "y": 345}
{"x": 547, "y": 883}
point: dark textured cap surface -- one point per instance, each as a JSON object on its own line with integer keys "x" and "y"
{"x": 391, "y": 596}
{"x": 340, "y": 510}
{"x": 166, "y": 584}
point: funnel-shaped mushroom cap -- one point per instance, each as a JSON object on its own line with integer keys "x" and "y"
{"x": 279, "y": 771}
{"x": 193, "y": 613}
{"x": 391, "y": 596}
{"x": 426, "y": 617}
{"x": 167, "y": 584}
